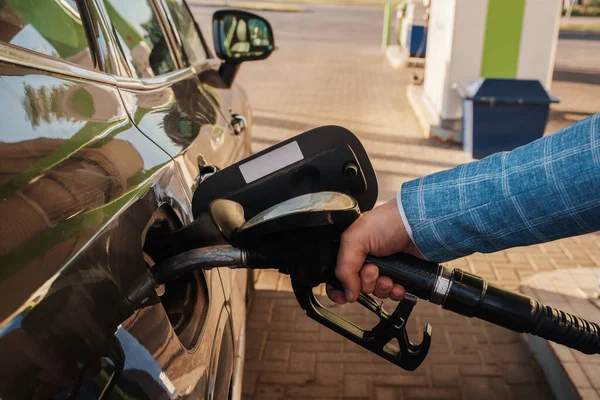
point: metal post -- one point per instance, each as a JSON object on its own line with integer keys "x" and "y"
{"x": 387, "y": 25}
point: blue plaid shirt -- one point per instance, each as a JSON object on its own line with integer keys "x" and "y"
{"x": 546, "y": 190}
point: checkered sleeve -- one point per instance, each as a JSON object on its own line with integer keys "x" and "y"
{"x": 546, "y": 190}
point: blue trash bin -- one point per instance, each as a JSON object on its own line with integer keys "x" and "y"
{"x": 416, "y": 41}
{"x": 503, "y": 114}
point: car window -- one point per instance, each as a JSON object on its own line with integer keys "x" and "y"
{"x": 193, "y": 49}
{"x": 50, "y": 27}
{"x": 140, "y": 37}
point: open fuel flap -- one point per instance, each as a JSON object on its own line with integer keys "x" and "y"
{"x": 328, "y": 158}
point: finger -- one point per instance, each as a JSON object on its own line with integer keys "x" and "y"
{"x": 335, "y": 295}
{"x": 368, "y": 277}
{"x": 397, "y": 293}
{"x": 383, "y": 287}
{"x": 351, "y": 258}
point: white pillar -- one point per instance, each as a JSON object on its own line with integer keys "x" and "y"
{"x": 469, "y": 39}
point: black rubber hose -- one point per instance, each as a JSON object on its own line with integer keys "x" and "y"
{"x": 566, "y": 329}
{"x": 473, "y": 296}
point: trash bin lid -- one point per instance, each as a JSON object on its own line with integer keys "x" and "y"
{"x": 507, "y": 91}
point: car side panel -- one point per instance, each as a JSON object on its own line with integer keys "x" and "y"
{"x": 68, "y": 150}
{"x": 79, "y": 183}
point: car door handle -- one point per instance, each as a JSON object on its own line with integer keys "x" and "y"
{"x": 238, "y": 123}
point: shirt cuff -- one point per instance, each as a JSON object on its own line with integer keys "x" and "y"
{"x": 405, "y": 220}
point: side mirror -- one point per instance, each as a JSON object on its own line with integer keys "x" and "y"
{"x": 241, "y": 36}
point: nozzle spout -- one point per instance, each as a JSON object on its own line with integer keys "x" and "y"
{"x": 199, "y": 259}
{"x": 192, "y": 260}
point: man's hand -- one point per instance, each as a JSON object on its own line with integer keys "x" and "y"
{"x": 379, "y": 232}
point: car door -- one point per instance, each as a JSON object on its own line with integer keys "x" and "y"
{"x": 77, "y": 183}
{"x": 82, "y": 192}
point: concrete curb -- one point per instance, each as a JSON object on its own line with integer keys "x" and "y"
{"x": 582, "y": 35}
{"x": 400, "y": 59}
{"x": 396, "y": 57}
{"x": 558, "y": 379}
{"x": 568, "y": 372}
{"x": 414, "y": 93}
{"x": 426, "y": 120}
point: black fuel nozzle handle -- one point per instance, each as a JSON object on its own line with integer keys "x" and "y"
{"x": 473, "y": 296}
{"x": 380, "y": 338}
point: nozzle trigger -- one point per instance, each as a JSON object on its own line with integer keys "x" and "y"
{"x": 378, "y": 340}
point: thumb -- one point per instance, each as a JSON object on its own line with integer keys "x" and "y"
{"x": 351, "y": 257}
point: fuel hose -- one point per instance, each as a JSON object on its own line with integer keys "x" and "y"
{"x": 473, "y": 296}
{"x": 453, "y": 289}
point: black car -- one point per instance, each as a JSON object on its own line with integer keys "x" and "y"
{"x": 112, "y": 113}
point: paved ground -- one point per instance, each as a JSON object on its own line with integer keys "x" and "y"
{"x": 573, "y": 289}
{"x": 329, "y": 70}
{"x": 576, "y": 81}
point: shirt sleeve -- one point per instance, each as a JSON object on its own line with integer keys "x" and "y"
{"x": 546, "y": 190}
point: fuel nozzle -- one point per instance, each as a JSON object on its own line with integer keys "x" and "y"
{"x": 301, "y": 236}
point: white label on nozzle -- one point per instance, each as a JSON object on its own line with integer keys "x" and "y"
{"x": 271, "y": 162}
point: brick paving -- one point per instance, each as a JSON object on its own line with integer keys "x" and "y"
{"x": 291, "y": 356}
{"x": 329, "y": 70}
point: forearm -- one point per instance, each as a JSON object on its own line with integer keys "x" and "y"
{"x": 546, "y": 190}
